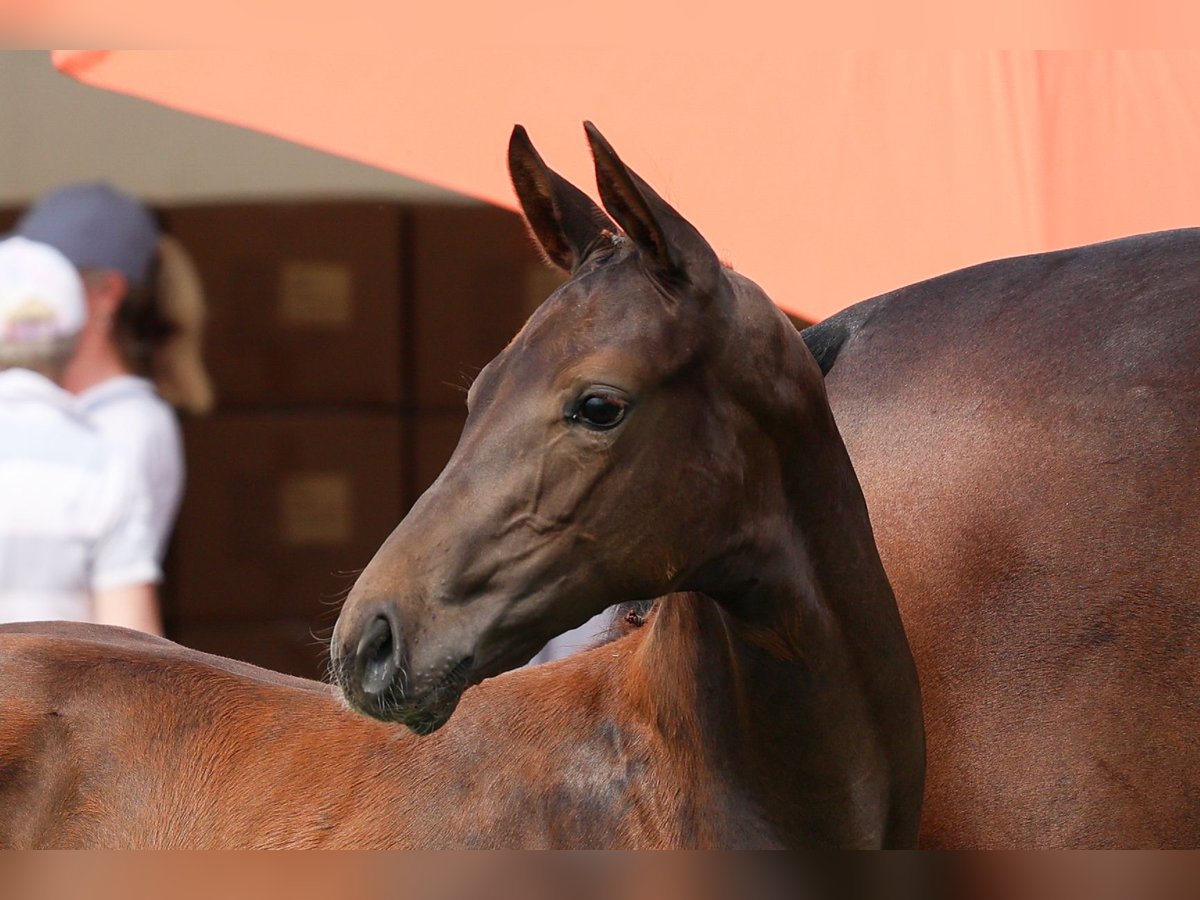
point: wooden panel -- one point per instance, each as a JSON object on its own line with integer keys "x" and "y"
{"x": 280, "y": 512}
{"x": 304, "y": 299}
{"x": 475, "y": 277}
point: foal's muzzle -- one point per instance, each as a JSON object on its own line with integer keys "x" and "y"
{"x": 378, "y": 661}
{"x": 371, "y": 670}
{"x": 374, "y": 672}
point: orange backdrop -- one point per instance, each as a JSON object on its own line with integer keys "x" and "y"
{"x": 826, "y": 176}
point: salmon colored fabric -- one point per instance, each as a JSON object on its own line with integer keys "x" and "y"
{"x": 828, "y": 177}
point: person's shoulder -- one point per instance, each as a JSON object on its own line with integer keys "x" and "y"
{"x": 129, "y": 403}
{"x": 40, "y": 425}
{"x": 121, "y": 391}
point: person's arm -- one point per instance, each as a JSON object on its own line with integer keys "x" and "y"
{"x": 130, "y": 606}
{"x": 125, "y": 572}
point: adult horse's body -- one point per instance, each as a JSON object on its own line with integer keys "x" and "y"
{"x": 779, "y": 709}
{"x": 1027, "y": 434}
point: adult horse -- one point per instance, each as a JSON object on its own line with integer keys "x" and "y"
{"x": 657, "y": 426}
{"x": 1027, "y": 434}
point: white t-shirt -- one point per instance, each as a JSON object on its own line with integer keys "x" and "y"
{"x": 73, "y": 517}
{"x": 128, "y": 412}
{"x": 586, "y": 636}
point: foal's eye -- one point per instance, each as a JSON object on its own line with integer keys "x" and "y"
{"x": 601, "y": 411}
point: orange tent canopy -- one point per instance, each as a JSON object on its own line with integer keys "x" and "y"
{"x": 828, "y": 177}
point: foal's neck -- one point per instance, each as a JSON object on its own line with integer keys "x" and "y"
{"x": 801, "y": 682}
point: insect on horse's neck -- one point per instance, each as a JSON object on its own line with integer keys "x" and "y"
{"x": 794, "y": 676}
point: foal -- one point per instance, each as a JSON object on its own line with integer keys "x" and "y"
{"x": 658, "y": 426}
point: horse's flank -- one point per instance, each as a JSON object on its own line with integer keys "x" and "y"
{"x": 1027, "y": 433}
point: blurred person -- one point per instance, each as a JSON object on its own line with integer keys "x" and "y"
{"x": 139, "y": 347}
{"x": 75, "y": 537}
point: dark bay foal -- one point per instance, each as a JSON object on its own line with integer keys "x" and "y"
{"x": 658, "y": 426}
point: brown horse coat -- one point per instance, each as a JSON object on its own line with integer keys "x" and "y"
{"x": 113, "y": 739}
{"x": 1027, "y": 434}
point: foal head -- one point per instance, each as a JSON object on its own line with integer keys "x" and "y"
{"x": 628, "y": 443}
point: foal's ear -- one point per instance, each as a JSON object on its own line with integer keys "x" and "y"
{"x": 674, "y": 249}
{"x": 563, "y": 219}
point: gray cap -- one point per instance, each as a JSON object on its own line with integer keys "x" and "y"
{"x": 95, "y": 227}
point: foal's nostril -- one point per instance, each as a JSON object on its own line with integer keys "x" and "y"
{"x": 377, "y": 652}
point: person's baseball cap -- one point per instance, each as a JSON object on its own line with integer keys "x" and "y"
{"x": 96, "y": 227}
{"x": 41, "y": 294}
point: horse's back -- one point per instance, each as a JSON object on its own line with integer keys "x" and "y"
{"x": 80, "y": 645}
{"x": 1129, "y": 301}
{"x": 113, "y": 738}
{"x": 51, "y": 689}
{"x": 1026, "y": 435}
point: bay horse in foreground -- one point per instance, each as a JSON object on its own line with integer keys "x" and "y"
{"x": 657, "y": 426}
